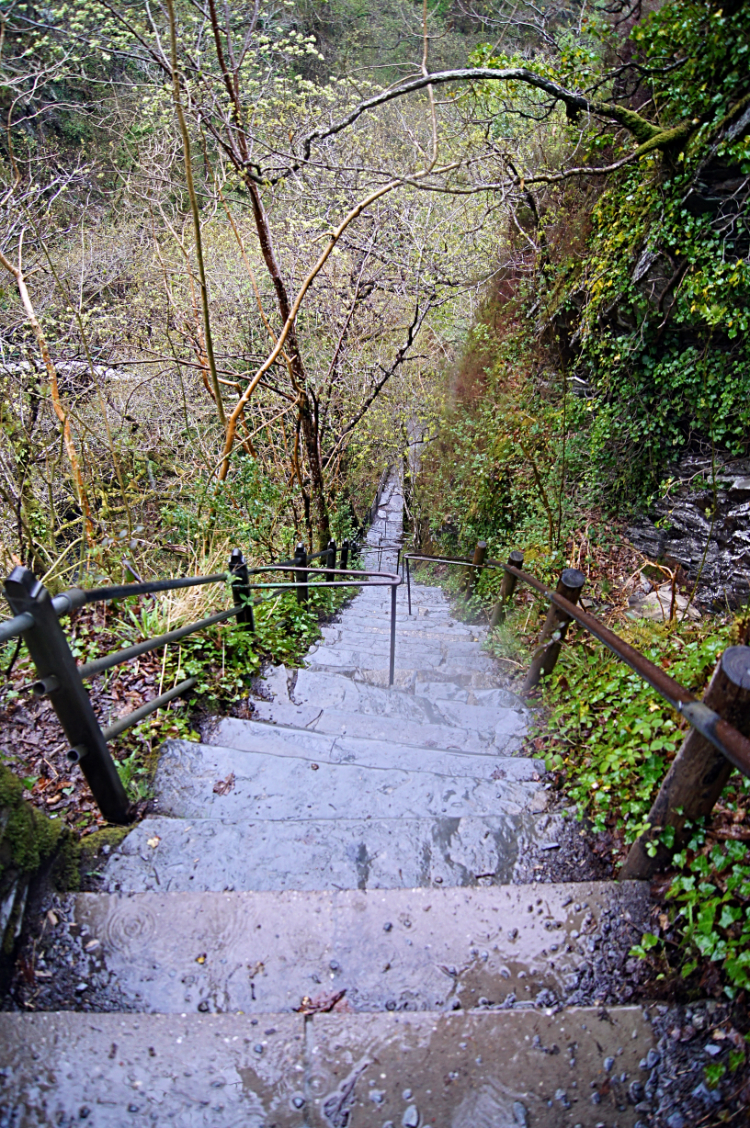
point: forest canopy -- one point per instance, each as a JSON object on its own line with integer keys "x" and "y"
{"x": 247, "y": 247}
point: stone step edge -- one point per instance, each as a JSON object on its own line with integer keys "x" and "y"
{"x": 495, "y": 755}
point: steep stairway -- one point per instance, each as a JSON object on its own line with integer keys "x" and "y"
{"x": 334, "y": 917}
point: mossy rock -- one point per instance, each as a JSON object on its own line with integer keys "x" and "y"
{"x": 27, "y": 837}
{"x": 30, "y": 844}
{"x": 93, "y": 850}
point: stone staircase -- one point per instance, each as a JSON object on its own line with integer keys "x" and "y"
{"x": 338, "y": 916}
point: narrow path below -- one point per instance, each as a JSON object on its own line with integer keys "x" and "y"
{"x": 334, "y": 919}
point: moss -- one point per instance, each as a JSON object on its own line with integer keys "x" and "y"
{"x": 28, "y": 838}
{"x": 108, "y": 836}
{"x": 65, "y": 873}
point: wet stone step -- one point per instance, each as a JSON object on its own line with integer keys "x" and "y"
{"x": 501, "y": 1070}
{"x": 205, "y": 781}
{"x": 429, "y": 949}
{"x": 424, "y": 736}
{"x": 333, "y": 725}
{"x": 368, "y": 627}
{"x": 408, "y": 680}
{"x": 110, "y": 1070}
{"x": 164, "y": 854}
{"x": 414, "y": 656}
{"x": 515, "y": 1069}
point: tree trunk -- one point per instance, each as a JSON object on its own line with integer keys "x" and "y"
{"x": 299, "y": 376}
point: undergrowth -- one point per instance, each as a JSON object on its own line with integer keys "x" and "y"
{"x": 225, "y": 658}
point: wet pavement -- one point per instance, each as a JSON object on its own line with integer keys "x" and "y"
{"x": 344, "y": 782}
{"x": 506, "y": 1070}
{"x": 382, "y": 854}
{"x": 389, "y": 950}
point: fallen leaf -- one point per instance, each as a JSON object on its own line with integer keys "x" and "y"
{"x": 224, "y": 786}
{"x": 154, "y": 842}
{"x": 201, "y": 959}
{"x": 321, "y": 1004}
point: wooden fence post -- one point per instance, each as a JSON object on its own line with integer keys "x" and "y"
{"x": 554, "y": 630}
{"x": 480, "y": 553}
{"x": 698, "y": 773}
{"x": 507, "y": 587}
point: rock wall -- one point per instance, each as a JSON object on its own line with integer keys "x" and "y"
{"x": 705, "y": 512}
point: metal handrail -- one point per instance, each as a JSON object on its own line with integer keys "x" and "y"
{"x": 61, "y": 679}
{"x": 727, "y": 739}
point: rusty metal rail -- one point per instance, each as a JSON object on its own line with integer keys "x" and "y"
{"x": 697, "y": 776}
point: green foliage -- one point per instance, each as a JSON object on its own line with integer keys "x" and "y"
{"x": 248, "y": 505}
{"x": 666, "y": 280}
{"x": 657, "y": 302}
{"x": 614, "y": 736}
{"x": 711, "y": 895}
{"x": 614, "y": 739}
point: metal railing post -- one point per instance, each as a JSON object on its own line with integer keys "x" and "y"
{"x": 300, "y": 578}
{"x": 330, "y": 561}
{"x": 344, "y": 556}
{"x": 59, "y": 678}
{"x": 241, "y": 588}
{"x": 393, "y": 634}
{"x": 408, "y": 584}
{"x": 554, "y": 630}
{"x": 507, "y": 587}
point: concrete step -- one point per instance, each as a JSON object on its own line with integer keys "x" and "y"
{"x": 415, "y": 655}
{"x": 407, "y": 628}
{"x": 188, "y": 784}
{"x": 286, "y": 720}
{"x": 402, "y": 949}
{"x": 166, "y": 854}
{"x": 490, "y": 742}
{"x": 408, "y": 680}
{"x": 334, "y": 690}
{"x": 511, "y": 1069}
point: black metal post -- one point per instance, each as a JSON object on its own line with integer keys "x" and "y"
{"x": 57, "y": 671}
{"x": 300, "y": 578}
{"x": 344, "y": 556}
{"x": 241, "y": 588}
{"x": 393, "y": 633}
{"x": 408, "y": 583}
{"x": 330, "y": 561}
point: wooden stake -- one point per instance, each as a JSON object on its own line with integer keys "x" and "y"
{"x": 507, "y": 588}
{"x": 480, "y": 552}
{"x": 554, "y": 630}
{"x": 698, "y": 773}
